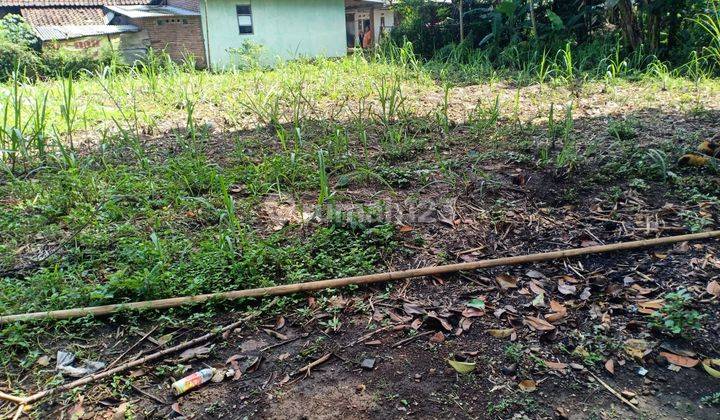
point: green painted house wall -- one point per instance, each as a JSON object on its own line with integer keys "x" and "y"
{"x": 286, "y": 29}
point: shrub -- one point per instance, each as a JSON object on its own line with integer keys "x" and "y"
{"x": 14, "y": 29}
{"x": 63, "y": 62}
{"x": 247, "y": 56}
{"x": 17, "y": 56}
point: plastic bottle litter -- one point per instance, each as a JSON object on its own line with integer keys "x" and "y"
{"x": 191, "y": 381}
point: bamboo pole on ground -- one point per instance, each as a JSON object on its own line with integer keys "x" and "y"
{"x": 358, "y": 280}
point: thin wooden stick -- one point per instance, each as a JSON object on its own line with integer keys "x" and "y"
{"x": 369, "y": 335}
{"x": 109, "y": 372}
{"x": 615, "y": 393}
{"x": 316, "y": 363}
{"x": 13, "y": 398}
{"x": 147, "y": 394}
{"x": 411, "y": 338}
{"x": 358, "y": 280}
{"x": 19, "y": 411}
{"x": 146, "y": 335}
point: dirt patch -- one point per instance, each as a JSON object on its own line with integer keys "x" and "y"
{"x": 325, "y": 396}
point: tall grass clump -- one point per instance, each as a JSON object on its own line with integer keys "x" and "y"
{"x": 390, "y": 96}
{"x": 710, "y": 23}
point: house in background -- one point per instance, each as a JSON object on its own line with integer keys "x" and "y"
{"x": 288, "y": 29}
{"x": 128, "y": 26}
{"x": 214, "y": 32}
{"x": 360, "y": 14}
{"x": 169, "y": 27}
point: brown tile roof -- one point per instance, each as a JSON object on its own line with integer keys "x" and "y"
{"x": 60, "y": 16}
{"x": 69, "y": 3}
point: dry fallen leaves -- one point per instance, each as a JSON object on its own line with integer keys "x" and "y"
{"x": 528, "y": 385}
{"x": 637, "y": 348}
{"x": 193, "y": 352}
{"x": 501, "y": 333}
{"x": 538, "y": 324}
{"x": 120, "y": 412}
{"x": 462, "y": 367}
{"x": 566, "y": 289}
{"x": 534, "y": 274}
{"x": 649, "y": 307}
{"x": 413, "y": 309}
{"x": 714, "y": 288}
{"x": 472, "y": 312}
{"x": 443, "y": 322}
{"x": 555, "y": 365}
{"x": 506, "y": 281}
{"x": 678, "y": 360}
{"x": 559, "y": 311}
{"x": 610, "y": 366}
{"x": 279, "y": 322}
{"x": 711, "y": 366}
{"x": 279, "y": 336}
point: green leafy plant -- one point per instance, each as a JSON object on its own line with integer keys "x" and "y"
{"x": 514, "y": 352}
{"x": 391, "y": 100}
{"x": 324, "y": 192}
{"x": 247, "y": 56}
{"x": 710, "y": 23}
{"x": 655, "y": 163}
{"x": 332, "y": 324}
{"x": 694, "y": 221}
{"x": 16, "y": 30}
{"x": 675, "y": 317}
{"x": 712, "y": 399}
{"x": 623, "y": 130}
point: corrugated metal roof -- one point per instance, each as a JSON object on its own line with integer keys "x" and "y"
{"x": 144, "y": 11}
{"x": 49, "y": 33}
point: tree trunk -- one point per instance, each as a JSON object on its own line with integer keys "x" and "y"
{"x": 653, "y": 24}
{"x": 531, "y": 6}
{"x": 629, "y": 24}
{"x": 653, "y": 32}
{"x": 462, "y": 25}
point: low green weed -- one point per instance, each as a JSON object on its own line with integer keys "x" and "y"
{"x": 675, "y": 317}
{"x": 623, "y": 130}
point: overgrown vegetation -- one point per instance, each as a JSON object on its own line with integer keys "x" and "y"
{"x": 617, "y": 36}
{"x": 21, "y": 52}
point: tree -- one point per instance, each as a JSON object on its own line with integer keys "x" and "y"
{"x": 15, "y": 30}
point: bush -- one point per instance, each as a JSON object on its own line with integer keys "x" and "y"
{"x": 16, "y": 56}
{"x": 428, "y": 25}
{"x": 15, "y": 30}
{"x": 62, "y": 62}
{"x": 20, "y": 49}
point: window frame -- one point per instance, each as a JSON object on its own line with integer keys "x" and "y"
{"x": 249, "y": 14}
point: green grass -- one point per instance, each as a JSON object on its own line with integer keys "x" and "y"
{"x": 160, "y": 233}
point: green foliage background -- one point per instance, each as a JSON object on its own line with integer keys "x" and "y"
{"x": 666, "y": 28}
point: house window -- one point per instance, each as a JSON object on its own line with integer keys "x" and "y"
{"x": 244, "y": 17}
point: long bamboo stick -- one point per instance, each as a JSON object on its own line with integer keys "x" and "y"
{"x": 357, "y": 280}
